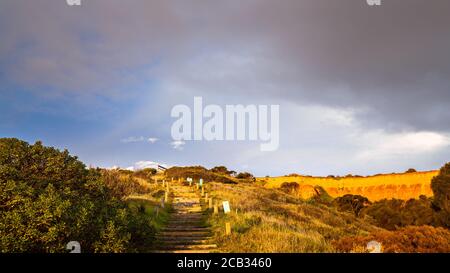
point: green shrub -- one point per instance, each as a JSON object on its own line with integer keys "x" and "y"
{"x": 351, "y": 203}
{"x": 395, "y": 213}
{"x": 146, "y": 173}
{"x": 197, "y": 172}
{"x": 245, "y": 175}
{"x": 48, "y": 198}
{"x": 441, "y": 190}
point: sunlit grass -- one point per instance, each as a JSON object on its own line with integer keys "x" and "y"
{"x": 268, "y": 220}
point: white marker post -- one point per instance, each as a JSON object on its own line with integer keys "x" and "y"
{"x": 226, "y": 207}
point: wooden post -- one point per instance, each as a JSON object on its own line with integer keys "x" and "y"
{"x": 216, "y": 209}
{"x": 203, "y": 192}
{"x": 206, "y": 197}
{"x": 162, "y": 202}
{"x": 164, "y": 182}
{"x": 227, "y": 228}
{"x": 166, "y": 196}
{"x": 210, "y": 205}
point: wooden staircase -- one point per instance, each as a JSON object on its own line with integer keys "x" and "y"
{"x": 186, "y": 231}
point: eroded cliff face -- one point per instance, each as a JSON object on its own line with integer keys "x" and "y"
{"x": 375, "y": 193}
{"x": 400, "y": 186}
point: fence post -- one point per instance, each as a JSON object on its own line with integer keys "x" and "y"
{"x": 227, "y": 228}
{"x": 166, "y": 196}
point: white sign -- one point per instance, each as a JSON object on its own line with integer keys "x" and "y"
{"x": 226, "y": 206}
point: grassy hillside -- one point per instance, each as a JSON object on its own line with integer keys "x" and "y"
{"x": 400, "y": 186}
{"x": 269, "y": 220}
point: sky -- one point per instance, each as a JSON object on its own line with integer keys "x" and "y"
{"x": 362, "y": 89}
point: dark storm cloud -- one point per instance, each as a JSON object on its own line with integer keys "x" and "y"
{"x": 393, "y": 60}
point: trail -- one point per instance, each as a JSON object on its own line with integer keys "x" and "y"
{"x": 186, "y": 231}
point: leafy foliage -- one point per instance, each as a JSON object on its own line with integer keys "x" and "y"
{"x": 351, "y": 203}
{"x": 290, "y": 187}
{"x": 197, "y": 172}
{"x": 245, "y": 175}
{"x": 48, "y": 198}
{"x": 121, "y": 185}
{"x": 411, "y": 170}
{"x": 222, "y": 170}
{"x": 146, "y": 173}
{"x": 395, "y": 213}
{"x": 441, "y": 190}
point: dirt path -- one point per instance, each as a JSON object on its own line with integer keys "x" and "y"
{"x": 186, "y": 231}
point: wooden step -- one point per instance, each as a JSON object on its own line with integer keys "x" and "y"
{"x": 184, "y": 233}
{"x": 184, "y": 251}
{"x": 186, "y": 247}
{"x": 183, "y": 242}
{"x": 186, "y": 228}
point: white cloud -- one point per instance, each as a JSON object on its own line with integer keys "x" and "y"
{"x": 178, "y": 144}
{"x": 382, "y": 145}
{"x": 132, "y": 139}
{"x": 147, "y": 164}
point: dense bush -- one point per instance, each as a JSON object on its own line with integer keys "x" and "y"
{"x": 121, "y": 185}
{"x": 245, "y": 175}
{"x": 197, "y": 172}
{"x": 441, "y": 190}
{"x": 146, "y": 173}
{"x": 351, "y": 203}
{"x": 395, "y": 213}
{"x": 410, "y": 239}
{"x": 290, "y": 187}
{"x": 48, "y": 198}
{"x": 222, "y": 170}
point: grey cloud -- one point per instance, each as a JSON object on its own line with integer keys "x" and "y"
{"x": 392, "y": 60}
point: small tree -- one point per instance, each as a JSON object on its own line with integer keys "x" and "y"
{"x": 244, "y": 175}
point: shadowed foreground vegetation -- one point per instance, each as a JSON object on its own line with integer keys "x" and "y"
{"x": 48, "y": 198}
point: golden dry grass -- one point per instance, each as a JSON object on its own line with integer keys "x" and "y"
{"x": 401, "y": 186}
{"x": 269, "y": 220}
